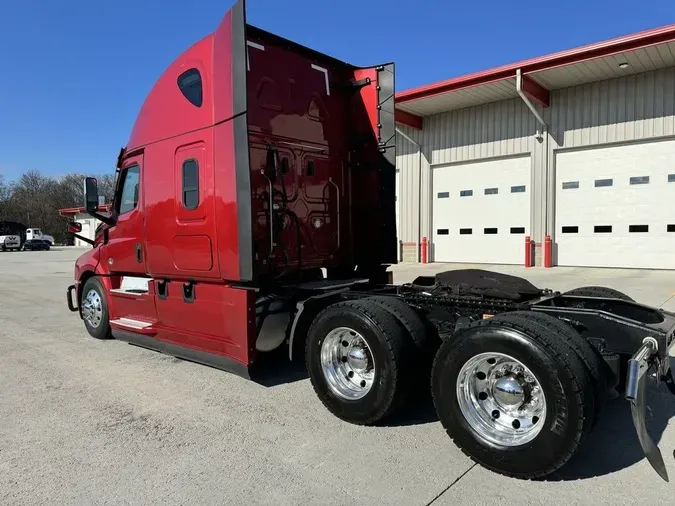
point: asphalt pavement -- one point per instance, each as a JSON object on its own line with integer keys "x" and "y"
{"x": 90, "y": 422}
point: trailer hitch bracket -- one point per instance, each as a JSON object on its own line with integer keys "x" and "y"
{"x": 636, "y": 392}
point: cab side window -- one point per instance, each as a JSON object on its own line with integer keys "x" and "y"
{"x": 190, "y": 184}
{"x": 128, "y": 200}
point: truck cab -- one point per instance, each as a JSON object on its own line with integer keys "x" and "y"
{"x": 33, "y": 234}
{"x": 255, "y": 166}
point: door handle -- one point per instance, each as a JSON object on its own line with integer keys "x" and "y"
{"x": 139, "y": 253}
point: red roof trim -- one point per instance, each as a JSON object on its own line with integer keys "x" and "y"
{"x": 408, "y": 119}
{"x": 70, "y": 211}
{"x": 589, "y": 52}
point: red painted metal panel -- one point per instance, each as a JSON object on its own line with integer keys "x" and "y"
{"x": 408, "y": 119}
{"x": 220, "y": 320}
{"x": 536, "y": 91}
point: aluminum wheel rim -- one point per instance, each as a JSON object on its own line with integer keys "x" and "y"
{"x": 347, "y": 363}
{"x": 92, "y": 308}
{"x": 501, "y": 399}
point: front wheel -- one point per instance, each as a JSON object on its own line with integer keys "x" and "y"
{"x": 513, "y": 395}
{"x": 95, "y": 309}
{"x": 358, "y": 360}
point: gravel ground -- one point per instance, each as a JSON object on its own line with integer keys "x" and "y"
{"x": 90, "y": 422}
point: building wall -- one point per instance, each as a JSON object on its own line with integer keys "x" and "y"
{"x": 617, "y": 110}
{"x": 87, "y": 231}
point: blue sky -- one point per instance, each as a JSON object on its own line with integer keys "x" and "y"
{"x": 75, "y": 72}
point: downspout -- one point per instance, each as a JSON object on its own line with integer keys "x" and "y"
{"x": 419, "y": 190}
{"x": 540, "y": 136}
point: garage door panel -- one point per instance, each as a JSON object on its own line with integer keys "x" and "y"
{"x": 641, "y": 194}
{"x": 478, "y": 197}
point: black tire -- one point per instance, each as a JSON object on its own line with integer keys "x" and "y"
{"x": 102, "y": 331}
{"x": 599, "y": 291}
{"x": 423, "y": 339}
{"x": 593, "y": 361}
{"x": 388, "y": 344}
{"x": 411, "y": 321}
{"x": 564, "y": 379}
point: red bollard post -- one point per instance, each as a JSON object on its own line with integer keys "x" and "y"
{"x": 425, "y": 246}
{"x": 528, "y": 251}
{"x": 547, "y": 251}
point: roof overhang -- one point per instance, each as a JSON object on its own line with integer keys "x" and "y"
{"x": 630, "y": 54}
{"x": 72, "y": 211}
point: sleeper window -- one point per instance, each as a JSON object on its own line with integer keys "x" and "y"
{"x": 190, "y": 85}
{"x": 190, "y": 184}
{"x": 128, "y": 196}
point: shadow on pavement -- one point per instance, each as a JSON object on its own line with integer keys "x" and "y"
{"x": 419, "y": 410}
{"x": 418, "y": 413}
{"x": 613, "y": 445}
{"x": 275, "y": 368}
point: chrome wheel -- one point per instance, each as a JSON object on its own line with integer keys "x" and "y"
{"x": 501, "y": 399}
{"x": 347, "y": 363}
{"x": 92, "y": 308}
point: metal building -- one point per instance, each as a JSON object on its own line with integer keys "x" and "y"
{"x": 578, "y": 146}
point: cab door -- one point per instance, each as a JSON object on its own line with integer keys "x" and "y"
{"x": 124, "y": 253}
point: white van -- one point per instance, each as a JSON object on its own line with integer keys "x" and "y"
{"x": 10, "y": 242}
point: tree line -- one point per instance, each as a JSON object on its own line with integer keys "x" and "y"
{"x": 34, "y": 199}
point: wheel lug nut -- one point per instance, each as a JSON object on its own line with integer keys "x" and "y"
{"x": 482, "y": 396}
{"x": 345, "y": 343}
{"x": 495, "y": 414}
{"x": 351, "y": 374}
{"x": 363, "y": 384}
{"x": 480, "y": 375}
{"x": 516, "y": 424}
{"x": 344, "y": 359}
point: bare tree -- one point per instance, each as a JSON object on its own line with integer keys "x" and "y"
{"x": 35, "y": 199}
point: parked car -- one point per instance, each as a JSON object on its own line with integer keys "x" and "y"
{"x": 35, "y": 245}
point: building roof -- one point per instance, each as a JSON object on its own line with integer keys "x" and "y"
{"x": 630, "y": 54}
{"x": 72, "y": 211}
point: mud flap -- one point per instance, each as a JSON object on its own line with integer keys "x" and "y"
{"x": 636, "y": 393}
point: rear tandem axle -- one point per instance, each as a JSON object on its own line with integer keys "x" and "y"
{"x": 490, "y": 399}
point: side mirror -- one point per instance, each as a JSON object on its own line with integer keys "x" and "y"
{"x": 74, "y": 227}
{"x": 91, "y": 194}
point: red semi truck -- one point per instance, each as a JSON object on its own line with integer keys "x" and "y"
{"x": 254, "y": 211}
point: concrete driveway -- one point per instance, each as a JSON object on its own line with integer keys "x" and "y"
{"x": 90, "y": 422}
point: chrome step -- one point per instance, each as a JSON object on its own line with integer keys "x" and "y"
{"x": 131, "y": 323}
